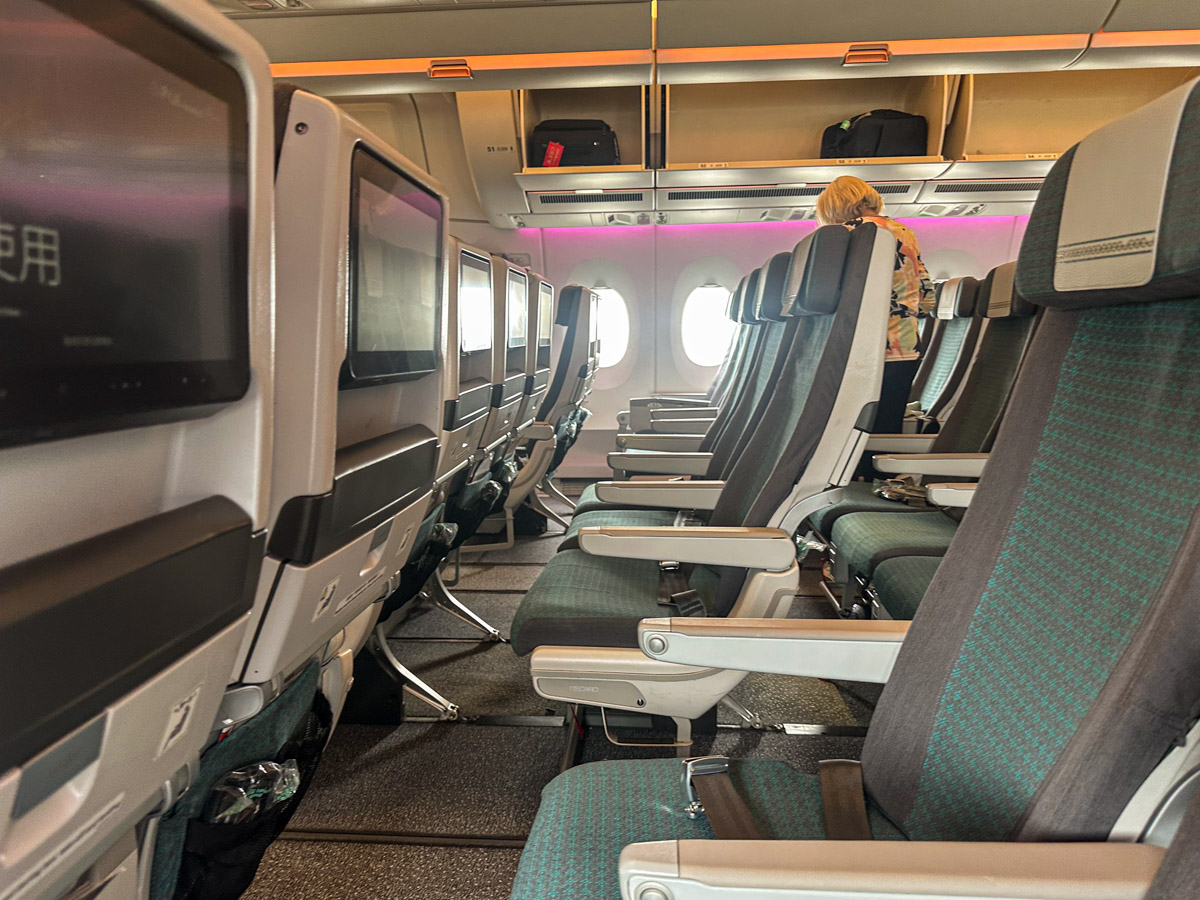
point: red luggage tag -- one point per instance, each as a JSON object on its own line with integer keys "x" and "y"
{"x": 554, "y": 152}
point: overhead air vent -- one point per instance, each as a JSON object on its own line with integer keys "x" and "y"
{"x": 593, "y": 199}
{"x": 987, "y": 187}
{"x": 744, "y": 193}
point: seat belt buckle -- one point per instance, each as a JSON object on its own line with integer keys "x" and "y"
{"x": 700, "y": 765}
{"x": 689, "y": 604}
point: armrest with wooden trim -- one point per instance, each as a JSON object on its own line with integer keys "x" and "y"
{"x": 899, "y": 443}
{"x": 953, "y": 494}
{"x": 665, "y": 443}
{"x": 666, "y": 401}
{"x": 653, "y": 463}
{"x": 681, "y": 426}
{"x": 768, "y": 549}
{"x": 851, "y": 650}
{"x": 961, "y": 465}
{"x": 672, "y": 494}
{"x": 641, "y": 407}
{"x": 696, "y": 412}
{"x": 889, "y": 870}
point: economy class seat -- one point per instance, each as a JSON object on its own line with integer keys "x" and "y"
{"x": 1038, "y": 727}
{"x": 785, "y": 277}
{"x": 946, "y": 362}
{"x": 357, "y": 403}
{"x": 580, "y": 617}
{"x": 135, "y": 426}
{"x": 860, "y": 531}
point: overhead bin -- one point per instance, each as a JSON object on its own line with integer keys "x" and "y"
{"x": 405, "y": 51}
{"x": 770, "y": 132}
{"x": 700, "y": 40}
{"x": 623, "y": 109}
{"x": 1016, "y": 124}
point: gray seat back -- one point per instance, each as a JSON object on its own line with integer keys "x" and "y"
{"x": 135, "y": 440}
{"x": 1050, "y": 668}
{"x": 972, "y": 424}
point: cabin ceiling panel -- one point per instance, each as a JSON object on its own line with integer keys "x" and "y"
{"x": 448, "y": 33}
{"x": 1153, "y": 15}
{"x": 715, "y": 23}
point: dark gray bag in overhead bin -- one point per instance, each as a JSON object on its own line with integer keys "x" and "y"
{"x": 880, "y": 132}
{"x": 573, "y": 142}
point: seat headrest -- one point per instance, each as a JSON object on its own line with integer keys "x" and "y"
{"x": 750, "y": 300}
{"x": 771, "y": 285}
{"x": 957, "y": 298}
{"x": 1115, "y": 220}
{"x": 814, "y": 280}
{"x": 998, "y": 298}
{"x": 734, "y": 306}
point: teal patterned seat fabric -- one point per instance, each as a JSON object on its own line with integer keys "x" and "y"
{"x": 857, "y": 496}
{"x": 601, "y": 518}
{"x": 599, "y": 808}
{"x": 901, "y": 582}
{"x": 865, "y": 539}
{"x": 1054, "y": 660}
{"x": 595, "y": 601}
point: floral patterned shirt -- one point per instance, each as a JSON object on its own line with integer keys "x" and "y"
{"x": 912, "y": 291}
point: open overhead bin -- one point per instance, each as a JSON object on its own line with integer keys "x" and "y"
{"x": 364, "y": 51}
{"x": 1016, "y": 124}
{"x": 702, "y": 40}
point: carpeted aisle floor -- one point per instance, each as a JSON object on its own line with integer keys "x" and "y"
{"x": 438, "y": 810}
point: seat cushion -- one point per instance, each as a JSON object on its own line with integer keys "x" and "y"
{"x": 866, "y": 539}
{"x": 590, "y": 813}
{"x": 595, "y": 601}
{"x": 857, "y": 496}
{"x": 900, "y": 583}
{"x": 603, "y": 518}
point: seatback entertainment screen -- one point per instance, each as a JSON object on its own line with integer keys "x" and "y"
{"x": 474, "y": 303}
{"x": 123, "y": 220}
{"x": 395, "y": 273}
{"x": 518, "y": 309}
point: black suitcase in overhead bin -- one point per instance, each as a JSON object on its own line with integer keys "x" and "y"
{"x": 584, "y": 142}
{"x": 880, "y": 132}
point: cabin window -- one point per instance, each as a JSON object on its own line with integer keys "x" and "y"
{"x": 612, "y": 326}
{"x": 706, "y": 329}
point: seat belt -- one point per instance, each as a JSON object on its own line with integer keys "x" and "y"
{"x": 711, "y": 792}
{"x": 844, "y": 800}
{"x": 673, "y": 590}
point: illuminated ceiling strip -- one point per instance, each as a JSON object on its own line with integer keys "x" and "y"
{"x": 1146, "y": 38}
{"x": 931, "y": 47}
{"x": 494, "y": 63}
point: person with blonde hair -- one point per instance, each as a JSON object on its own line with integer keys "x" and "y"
{"x": 852, "y": 202}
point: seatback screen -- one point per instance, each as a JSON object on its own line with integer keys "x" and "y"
{"x": 518, "y": 309}
{"x": 545, "y": 323}
{"x": 474, "y": 303}
{"x": 123, "y": 220}
{"x": 395, "y": 273}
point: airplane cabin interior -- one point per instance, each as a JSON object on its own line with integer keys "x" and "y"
{"x": 599, "y": 450}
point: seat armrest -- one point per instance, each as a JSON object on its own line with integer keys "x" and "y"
{"x": 954, "y": 494}
{"x": 960, "y": 465}
{"x": 667, "y": 402}
{"x": 899, "y": 443}
{"x": 660, "y": 463}
{"x": 851, "y": 650}
{"x": 767, "y": 549}
{"x": 681, "y": 426}
{"x": 669, "y": 443}
{"x": 697, "y": 412}
{"x": 889, "y": 870}
{"x": 672, "y": 494}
